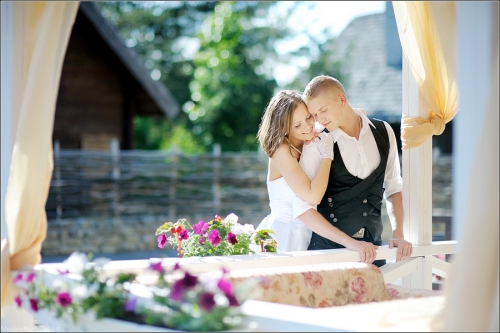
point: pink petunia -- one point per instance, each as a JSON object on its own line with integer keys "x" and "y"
{"x": 225, "y": 286}
{"x": 19, "y": 277}
{"x": 183, "y": 235}
{"x": 162, "y": 240}
{"x": 214, "y": 237}
{"x": 30, "y": 277}
{"x": 200, "y": 228}
{"x": 201, "y": 240}
{"x": 18, "y": 300}
{"x": 232, "y": 238}
{"x": 63, "y": 299}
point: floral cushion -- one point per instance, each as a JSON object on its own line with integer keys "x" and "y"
{"x": 316, "y": 286}
{"x": 399, "y": 292}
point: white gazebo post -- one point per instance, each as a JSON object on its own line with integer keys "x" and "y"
{"x": 417, "y": 184}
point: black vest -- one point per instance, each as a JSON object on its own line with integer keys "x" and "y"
{"x": 351, "y": 203}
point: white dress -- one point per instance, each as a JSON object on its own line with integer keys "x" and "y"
{"x": 291, "y": 234}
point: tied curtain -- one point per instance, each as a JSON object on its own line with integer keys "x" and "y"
{"x": 40, "y": 35}
{"x": 427, "y": 34}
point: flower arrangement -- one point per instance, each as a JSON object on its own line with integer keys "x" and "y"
{"x": 218, "y": 237}
{"x": 176, "y": 299}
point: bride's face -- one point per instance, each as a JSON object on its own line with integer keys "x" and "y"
{"x": 302, "y": 124}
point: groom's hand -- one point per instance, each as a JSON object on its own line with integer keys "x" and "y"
{"x": 366, "y": 250}
{"x": 405, "y": 248}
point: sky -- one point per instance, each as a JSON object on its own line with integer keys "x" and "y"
{"x": 316, "y": 16}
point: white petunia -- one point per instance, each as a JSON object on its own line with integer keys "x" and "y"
{"x": 249, "y": 228}
{"x": 238, "y": 229}
{"x": 232, "y": 217}
{"x": 76, "y": 262}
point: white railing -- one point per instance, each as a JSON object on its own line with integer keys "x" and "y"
{"x": 420, "y": 266}
{"x": 422, "y": 262}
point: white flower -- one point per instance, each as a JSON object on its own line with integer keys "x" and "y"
{"x": 238, "y": 229}
{"x": 232, "y": 218}
{"x": 249, "y": 228}
{"x": 76, "y": 262}
{"x": 82, "y": 291}
{"x": 101, "y": 262}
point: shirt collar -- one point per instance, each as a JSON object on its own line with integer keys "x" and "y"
{"x": 338, "y": 132}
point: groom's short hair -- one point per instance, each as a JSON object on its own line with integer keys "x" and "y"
{"x": 320, "y": 83}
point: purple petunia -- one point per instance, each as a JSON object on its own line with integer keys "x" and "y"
{"x": 156, "y": 267}
{"x": 200, "y": 227}
{"x": 18, "y": 300}
{"x": 34, "y": 304}
{"x": 207, "y": 301}
{"x": 232, "y": 300}
{"x": 183, "y": 235}
{"x": 162, "y": 240}
{"x": 214, "y": 237}
{"x": 63, "y": 299}
{"x": 189, "y": 281}
{"x": 130, "y": 304}
{"x": 225, "y": 286}
{"x": 232, "y": 238}
{"x": 201, "y": 240}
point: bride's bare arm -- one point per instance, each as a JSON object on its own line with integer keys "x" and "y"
{"x": 311, "y": 191}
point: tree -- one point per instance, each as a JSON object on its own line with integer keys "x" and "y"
{"x": 229, "y": 95}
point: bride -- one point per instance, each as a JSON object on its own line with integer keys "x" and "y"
{"x": 286, "y": 129}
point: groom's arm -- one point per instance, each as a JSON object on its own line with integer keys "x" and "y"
{"x": 317, "y": 223}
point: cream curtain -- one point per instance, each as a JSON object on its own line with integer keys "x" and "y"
{"x": 41, "y": 32}
{"x": 472, "y": 290}
{"x": 427, "y": 34}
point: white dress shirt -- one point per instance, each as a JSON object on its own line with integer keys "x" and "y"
{"x": 361, "y": 157}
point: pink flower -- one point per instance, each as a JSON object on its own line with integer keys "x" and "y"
{"x": 214, "y": 238}
{"x": 177, "y": 266}
{"x": 162, "y": 240}
{"x": 18, "y": 300}
{"x": 30, "y": 277}
{"x": 225, "y": 286}
{"x": 312, "y": 280}
{"x": 201, "y": 240}
{"x": 19, "y": 277}
{"x": 34, "y": 304}
{"x": 63, "y": 299}
{"x": 183, "y": 234}
{"x": 200, "y": 227}
{"x": 231, "y": 238}
{"x": 207, "y": 301}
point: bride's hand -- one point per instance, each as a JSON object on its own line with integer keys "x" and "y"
{"x": 325, "y": 145}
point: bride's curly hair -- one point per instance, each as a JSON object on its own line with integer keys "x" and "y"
{"x": 277, "y": 119}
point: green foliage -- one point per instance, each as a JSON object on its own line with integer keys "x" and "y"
{"x": 217, "y": 59}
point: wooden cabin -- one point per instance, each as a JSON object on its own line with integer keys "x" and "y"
{"x": 104, "y": 84}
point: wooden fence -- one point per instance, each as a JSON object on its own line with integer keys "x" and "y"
{"x": 130, "y": 183}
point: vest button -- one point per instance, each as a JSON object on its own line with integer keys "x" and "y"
{"x": 334, "y": 220}
{"x": 365, "y": 201}
{"x": 329, "y": 199}
{"x": 364, "y": 214}
{"x": 332, "y": 215}
{"x": 330, "y": 204}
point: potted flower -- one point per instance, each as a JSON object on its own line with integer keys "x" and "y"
{"x": 84, "y": 300}
{"x": 218, "y": 237}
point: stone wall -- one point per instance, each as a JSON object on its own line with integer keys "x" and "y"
{"x": 131, "y": 234}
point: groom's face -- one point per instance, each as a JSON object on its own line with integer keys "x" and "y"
{"x": 326, "y": 106}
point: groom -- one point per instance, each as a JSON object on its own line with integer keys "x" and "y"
{"x": 364, "y": 170}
